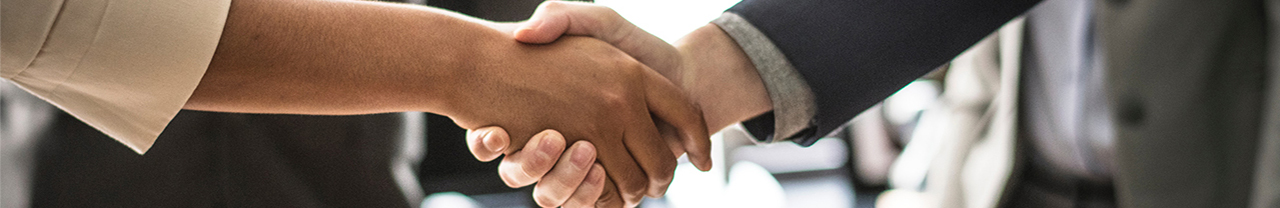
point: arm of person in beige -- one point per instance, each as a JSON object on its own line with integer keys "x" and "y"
{"x": 127, "y": 67}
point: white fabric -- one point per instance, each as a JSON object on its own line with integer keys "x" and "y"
{"x": 124, "y": 67}
{"x": 967, "y": 141}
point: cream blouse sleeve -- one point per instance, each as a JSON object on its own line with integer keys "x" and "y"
{"x": 124, "y": 67}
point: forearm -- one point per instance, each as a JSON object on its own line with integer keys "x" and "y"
{"x": 721, "y": 78}
{"x": 339, "y": 57}
{"x": 872, "y": 47}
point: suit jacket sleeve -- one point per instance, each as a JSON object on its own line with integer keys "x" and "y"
{"x": 851, "y": 54}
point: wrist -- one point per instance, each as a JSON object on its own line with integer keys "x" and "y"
{"x": 720, "y": 78}
{"x": 456, "y": 81}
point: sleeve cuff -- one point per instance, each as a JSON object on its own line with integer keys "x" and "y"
{"x": 125, "y": 67}
{"x": 793, "y": 100}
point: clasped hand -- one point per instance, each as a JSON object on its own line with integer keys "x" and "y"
{"x": 601, "y": 100}
{"x": 566, "y": 177}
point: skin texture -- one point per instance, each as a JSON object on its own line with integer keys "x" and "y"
{"x": 350, "y": 57}
{"x": 705, "y": 63}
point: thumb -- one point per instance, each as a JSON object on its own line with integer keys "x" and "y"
{"x": 544, "y": 27}
{"x": 553, "y": 19}
{"x": 558, "y": 18}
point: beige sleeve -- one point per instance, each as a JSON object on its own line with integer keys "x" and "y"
{"x": 124, "y": 67}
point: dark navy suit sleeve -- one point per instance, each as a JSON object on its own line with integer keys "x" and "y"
{"x": 855, "y": 53}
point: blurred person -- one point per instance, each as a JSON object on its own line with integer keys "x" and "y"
{"x": 1183, "y": 100}
{"x": 126, "y": 68}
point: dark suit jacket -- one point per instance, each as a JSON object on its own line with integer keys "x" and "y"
{"x": 854, "y": 54}
{"x": 1185, "y": 78}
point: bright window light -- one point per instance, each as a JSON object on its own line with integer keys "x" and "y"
{"x": 669, "y": 19}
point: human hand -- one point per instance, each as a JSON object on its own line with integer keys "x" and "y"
{"x": 706, "y": 63}
{"x": 574, "y": 171}
{"x": 721, "y": 77}
{"x": 589, "y": 91}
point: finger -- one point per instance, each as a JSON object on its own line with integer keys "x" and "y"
{"x": 487, "y": 143}
{"x": 556, "y": 187}
{"x": 623, "y": 171}
{"x": 650, "y": 150}
{"x": 609, "y": 196}
{"x": 591, "y": 189}
{"x": 529, "y": 164}
{"x": 669, "y": 104}
{"x": 671, "y": 136}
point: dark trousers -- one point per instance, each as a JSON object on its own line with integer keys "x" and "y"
{"x": 208, "y": 159}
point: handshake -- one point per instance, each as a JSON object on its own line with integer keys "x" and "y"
{"x": 580, "y": 74}
{"x": 628, "y": 102}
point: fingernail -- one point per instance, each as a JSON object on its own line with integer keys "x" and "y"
{"x": 546, "y": 147}
{"x": 582, "y": 157}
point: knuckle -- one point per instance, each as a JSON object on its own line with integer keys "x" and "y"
{"x": 615, "y": 101}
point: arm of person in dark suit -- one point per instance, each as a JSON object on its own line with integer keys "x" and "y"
{"x": 817, "y": 63}
{"x": 853, "y": 54}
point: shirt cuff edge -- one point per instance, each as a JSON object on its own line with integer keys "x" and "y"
{"x": 792, "y": 98}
